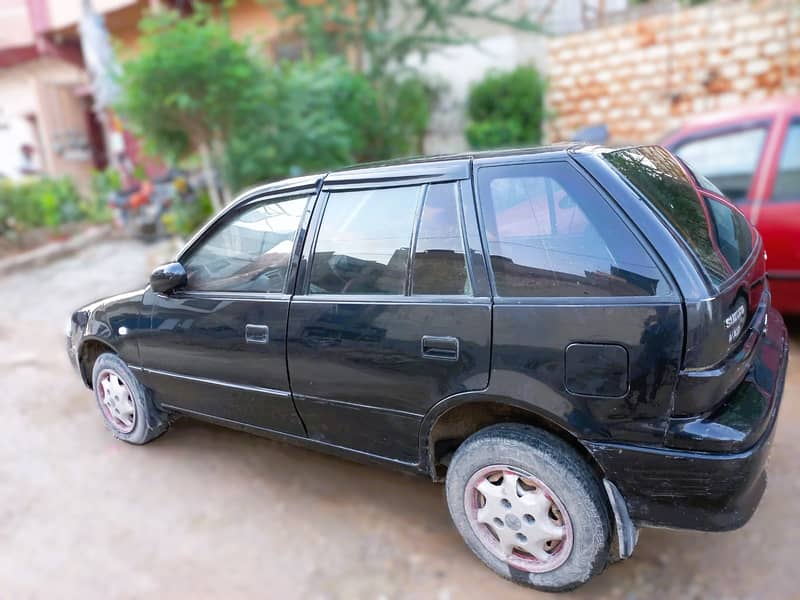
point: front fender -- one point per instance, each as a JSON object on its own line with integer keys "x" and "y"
{"x": 115, "y": 323}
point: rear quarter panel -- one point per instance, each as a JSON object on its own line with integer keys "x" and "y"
{"x": 530, "y": 336}
{"x": 528, "y": 362}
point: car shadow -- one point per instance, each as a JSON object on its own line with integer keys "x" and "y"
{"x": 334, "y": 489}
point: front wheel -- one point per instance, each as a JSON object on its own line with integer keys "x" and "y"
{"x": 529, "y": 507}
{"x": 126, "y": 406}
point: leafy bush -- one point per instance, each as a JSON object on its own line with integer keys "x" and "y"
{"x": 405, "y": 105}
{"x": 193, "y": 88}
{"x": 39, "y": 203}
{"x": 190, "y": 83}
{"x": 187, "y": 216}
{"x": 312, "y": 118}
{"x": 104, "y": 183}
{"x": 506, "y": 109}
{"x": 320, "y": 115}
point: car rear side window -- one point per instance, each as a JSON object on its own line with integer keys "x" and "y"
{"x": 551, "y": 234}
{"x": 731, "y": 231}
{"x": 363, "y": 242}
{"x": 249, "y": 251}
{"x": 440, "y": 267}
{"x": 706, "y": 225}
{"x": 787, "y": 181}
{"x": 729, "y": 159}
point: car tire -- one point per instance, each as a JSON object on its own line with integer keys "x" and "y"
{"x": 521, "y": 469}
{"x": 126, "y": 405}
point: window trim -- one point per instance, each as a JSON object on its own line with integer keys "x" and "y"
{"x": 224, "y": 218}
{"x": 412, "y": 248}
{"x": 471, "y": 211}
{"x": 793, "y": 120}
{"x": 670, "y": 297}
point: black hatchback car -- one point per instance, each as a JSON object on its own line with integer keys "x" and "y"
{"x": 577, "y": 340}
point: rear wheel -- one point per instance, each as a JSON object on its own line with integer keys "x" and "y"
{"x": 529, "y": 507}
{"x": 126, "y": 406}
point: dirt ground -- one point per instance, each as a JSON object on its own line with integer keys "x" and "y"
{"x": 205, "y": 512}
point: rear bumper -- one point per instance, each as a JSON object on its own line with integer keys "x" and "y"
{"x": 708, "y": 491}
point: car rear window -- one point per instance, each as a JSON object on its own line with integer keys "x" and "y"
{"x": 717, "y": 233}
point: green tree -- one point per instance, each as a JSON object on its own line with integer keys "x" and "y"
{"x": 191, "y": 87}
{"x": 506, "y": 109}
{"x": 319, "y": 115}
{"x": 380, "y": 35}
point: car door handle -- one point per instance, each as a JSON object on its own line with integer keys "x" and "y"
{"x": 256, "y": 334}
{"x": 440, "y": 348}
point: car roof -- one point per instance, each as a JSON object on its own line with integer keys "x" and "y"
{"x": 407, "y": 170}
{"x": 470, "y": 155}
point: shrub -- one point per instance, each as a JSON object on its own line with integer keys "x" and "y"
{"x": 39, "y": 203}
{"x": 104, "y": 183}
{"x": 322, "y": 115}
{"x": 187, "y": 216}
{"x": 506, "y": 109}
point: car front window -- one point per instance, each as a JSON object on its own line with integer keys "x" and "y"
{"x": 250, "y": 252}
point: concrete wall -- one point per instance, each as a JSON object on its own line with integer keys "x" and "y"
{"x": 500, "y": 48}
{"x": 15, "y": 25}
{"x": 44, "y": 87}
{"x": 456, "y": 69}
{"x": 642, "y": 78}
{"x": 64, "y": 13}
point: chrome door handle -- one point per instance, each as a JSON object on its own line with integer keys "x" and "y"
{"x": 440, "y": 348}
{"x": 256, "y": 334}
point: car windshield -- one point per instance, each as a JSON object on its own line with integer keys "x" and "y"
{"x": 717, "y": 233}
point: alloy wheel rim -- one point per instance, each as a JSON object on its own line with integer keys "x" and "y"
{"x": 116, "y": 401}
{"x": 518, "y": 518}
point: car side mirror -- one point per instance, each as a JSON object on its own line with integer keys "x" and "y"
{"x": 168, "y": 277}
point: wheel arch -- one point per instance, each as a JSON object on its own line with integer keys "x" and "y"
{"x": 453, "y": 420}
{"x": 88, "y": 352}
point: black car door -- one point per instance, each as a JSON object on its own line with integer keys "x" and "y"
{"x": 388, "y": 317}
{"x": 218, "y": 346}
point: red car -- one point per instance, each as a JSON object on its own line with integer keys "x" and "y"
{"x": 752, "y": 154}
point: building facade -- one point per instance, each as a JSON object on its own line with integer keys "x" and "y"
{"x": 49, "y": 122}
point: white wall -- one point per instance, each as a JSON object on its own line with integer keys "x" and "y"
{"x": 32, "y": 88}
{"x": 500, "y": 48}
{"x": 459, "y": 67}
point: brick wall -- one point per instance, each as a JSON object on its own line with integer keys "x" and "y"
{"x": 643, "y": 77}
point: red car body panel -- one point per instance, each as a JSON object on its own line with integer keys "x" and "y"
{"x": 778, "y": 222}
